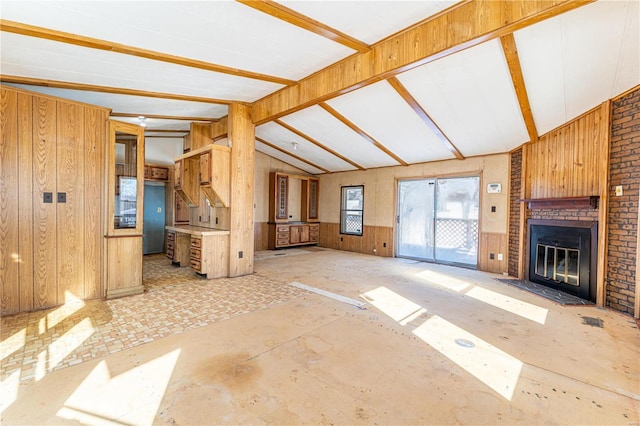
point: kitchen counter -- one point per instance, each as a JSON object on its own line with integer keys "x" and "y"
{"x": 196, "y": 230}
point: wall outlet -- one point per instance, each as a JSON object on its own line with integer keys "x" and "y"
{"x": 216, "y": 220}
{"x": 384, "y": 245}
{"x": 240, "y": 254}
{"x": 492, "y": 256}
{"x": 499, "y": 256}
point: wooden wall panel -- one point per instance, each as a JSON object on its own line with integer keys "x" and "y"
{"x": 492, "y": 243}
{"x": 565, "y": 161}
{"x": 9, "y": 243}
{"x": 124, "y": 270}
{"x": 373, "y": 237}
{"x": 261, "y": 234}
{"x": 44, "y": 214}
{"x": 242, "y": 138}
{"x": 70, "y": 214}
{"x": 95, "y": 122}
{"x": 25, "y": 177}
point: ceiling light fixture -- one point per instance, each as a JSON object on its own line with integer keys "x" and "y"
{"x": 295, "y": 145}
{"x": 143, "y": 120}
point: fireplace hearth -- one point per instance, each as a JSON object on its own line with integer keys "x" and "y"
{"x": 562, "y": 255}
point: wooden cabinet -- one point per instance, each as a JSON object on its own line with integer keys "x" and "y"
{"x": 310, "y": 200}
{"x": 178, "y": 248}
{"x": 278, "y": 197}
{"x": 288, "y": 235}
{"x": 186, "y": 143}
{"x": 181, "y": 211}
{"x": 156, "y": 173}
{"x": 186, "y": 182}
{"x": 209, "y": 255}
{"x": 50, "y": 249}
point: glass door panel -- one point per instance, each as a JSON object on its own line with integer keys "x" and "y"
{"x": 457, "y": 203}
{"x": 416, "y": 206}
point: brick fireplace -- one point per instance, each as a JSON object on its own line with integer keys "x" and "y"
{"x": 596, "y": 156}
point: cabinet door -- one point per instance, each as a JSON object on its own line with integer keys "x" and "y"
{"x": 205, "y": 168}
{"x": 282, "y": 194}
{"x": 181, "y": 210}
{"x": 304, "y": 234}
{"x": 295, "y": 234}
{"x": 178, "y": 175}
{"x": 314, "y": 194}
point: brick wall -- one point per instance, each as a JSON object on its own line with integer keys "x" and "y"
{"x": 623, "y": 210}
{"x": 514, "y": 211}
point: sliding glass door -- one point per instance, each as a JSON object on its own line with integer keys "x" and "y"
{"x": 416, "y": 207}
{"x": 438, "y": 220}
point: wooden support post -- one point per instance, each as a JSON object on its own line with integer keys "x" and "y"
{"x": 242, "y": 142}
{"x": 603, "y": 212}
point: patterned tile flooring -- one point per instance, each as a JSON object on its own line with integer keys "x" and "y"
{"x": 175, "y": 300}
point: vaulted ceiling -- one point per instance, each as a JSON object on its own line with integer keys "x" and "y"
{"x": 335, "y": 85}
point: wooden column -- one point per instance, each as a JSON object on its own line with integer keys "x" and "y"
{"x": 636, "y": 306}
{"x": 604, "y": 140}
{"x": 242, "y": 142}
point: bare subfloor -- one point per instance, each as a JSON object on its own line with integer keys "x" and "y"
{"x": 433, "y": 345}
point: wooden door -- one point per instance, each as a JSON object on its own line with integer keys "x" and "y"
{"x": 304, "y": 234}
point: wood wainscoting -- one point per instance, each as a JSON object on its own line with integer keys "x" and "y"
{"x": 379, "y": 238}
{"x": 261, "y": 236}
{"x": 495, "y": 243}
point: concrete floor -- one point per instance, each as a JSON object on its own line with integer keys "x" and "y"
{"x": 434, "y": 345}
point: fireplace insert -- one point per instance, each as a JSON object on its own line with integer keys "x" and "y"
{"x": 562, "y": 256}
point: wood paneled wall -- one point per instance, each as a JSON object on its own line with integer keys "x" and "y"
{"x": 379, "y": 238}
{"x": 566, "y": 162}
{"x": 493, "y": 243}
{"x": 50, "y": 250}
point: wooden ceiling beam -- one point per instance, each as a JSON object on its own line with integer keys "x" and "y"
{"x": 277, "y": 148}
{"x": 163, "y": 117}
{"x": 302, "y": 21}
{"x": 318, "y": 144}
{"x": 413, "y": 103}
{"x": 147, "y": 130}
{"x": 462, "y": 27}
{"x": 344, "y": 120}
{"x": 94, "y": 43}
{"x": 510, "y": 50}
{"x": 106, "y": 89}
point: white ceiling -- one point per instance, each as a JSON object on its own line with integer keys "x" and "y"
{"x": 570, "y": 64}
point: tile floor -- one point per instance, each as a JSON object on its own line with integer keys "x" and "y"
{"x": 175, "y": 300}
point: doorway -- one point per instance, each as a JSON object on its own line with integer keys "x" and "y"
{"x": 438, "y": 220}
{"x": 154, "y": 218}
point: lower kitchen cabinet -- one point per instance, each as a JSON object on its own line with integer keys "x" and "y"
{"x": 293, "y": 234}
{"x": 209, "y": 255}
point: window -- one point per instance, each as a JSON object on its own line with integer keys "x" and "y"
{"x": 351, "y": 208}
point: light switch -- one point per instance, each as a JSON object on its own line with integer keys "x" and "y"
{"x": 619, "y": 191}
{"x": 159, "y": 209}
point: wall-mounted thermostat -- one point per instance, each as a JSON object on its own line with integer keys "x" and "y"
{"x": 494, "y": 188}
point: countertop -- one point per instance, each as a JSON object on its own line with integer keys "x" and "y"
{"x": 196, "y": 230}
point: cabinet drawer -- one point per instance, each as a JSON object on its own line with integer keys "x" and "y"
{"x": 170, "y": 253}
{"x": 196, "y": 242}
{"x": 171, "y": 236}
{"x": 195, "y": 264}
{"x": 282, "y": 242}
{"x": 313, "y": 237}
{"x": 196, "y": 254}
{"x": 283, "y": 235}
{"x": 280, "y": 229}
{"x": 171, "y": 245}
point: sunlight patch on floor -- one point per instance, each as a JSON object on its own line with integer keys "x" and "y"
{"x": 443, "y": 280}
{"x": 9, "y": 389}
{"x": 510, "y": 304}
{"x": 61, "y": 347}
{"x": 395, "y": 306}
{"x": 132, "y": 397}
{"x": 72, "y": 305}
{"x": 13, "y": 343}
{"x": 493, "y": 367}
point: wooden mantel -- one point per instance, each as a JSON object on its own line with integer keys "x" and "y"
{"x": 589, "y": 202}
